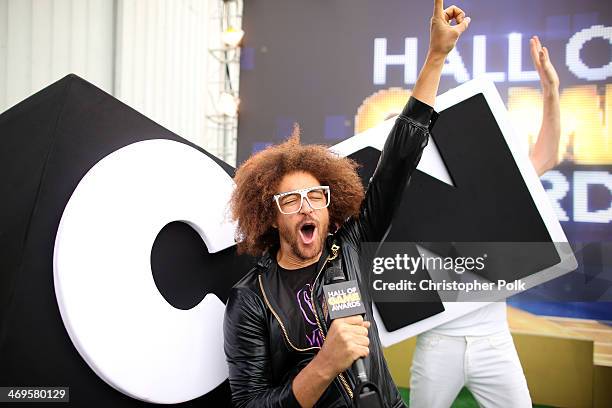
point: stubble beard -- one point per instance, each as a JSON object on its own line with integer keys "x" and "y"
{"x": 291, "y": 236}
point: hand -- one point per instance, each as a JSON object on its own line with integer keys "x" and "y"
{"x": 443, "y": 36}
{"x": 541, "y": 60}
{"x": 346, "y": 341}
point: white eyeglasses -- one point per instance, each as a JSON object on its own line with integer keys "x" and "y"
{"x": 291, "y": 202}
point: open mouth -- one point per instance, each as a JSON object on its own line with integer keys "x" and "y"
{"x": 307, "y": 232}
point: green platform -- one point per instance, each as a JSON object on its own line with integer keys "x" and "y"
{"x": 463, "y": 400}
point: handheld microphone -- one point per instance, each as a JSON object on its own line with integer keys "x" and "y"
{"x": 344, "y": 299}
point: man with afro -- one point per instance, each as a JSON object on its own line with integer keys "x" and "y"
{"x": 301, "y": 209}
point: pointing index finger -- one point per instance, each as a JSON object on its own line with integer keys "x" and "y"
{"x": 438, "y": 7}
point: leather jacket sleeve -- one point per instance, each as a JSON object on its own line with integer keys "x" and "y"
{"x": 398, "y": 160}
{"x": 248, "y": 356}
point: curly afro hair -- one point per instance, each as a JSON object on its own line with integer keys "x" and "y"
{"x": 257, "y": 181}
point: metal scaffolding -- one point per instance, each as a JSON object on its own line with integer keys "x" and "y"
{"x": 223, "y": 84}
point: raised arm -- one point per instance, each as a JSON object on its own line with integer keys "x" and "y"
{"x": 442, "y": 39}
{"x": 404, "y": 145}
{"x": 544, "y": 155}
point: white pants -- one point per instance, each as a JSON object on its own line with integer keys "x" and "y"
{"x": 487, "y": 365}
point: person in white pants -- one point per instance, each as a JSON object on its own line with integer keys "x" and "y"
{"x": 476, "y": 350}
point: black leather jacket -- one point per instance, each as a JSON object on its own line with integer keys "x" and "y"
{"x": 261, "y": 357}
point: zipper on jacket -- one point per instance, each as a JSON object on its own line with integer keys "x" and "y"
{"x": 280, "y": 321}
{"x": 331, "y": 257}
